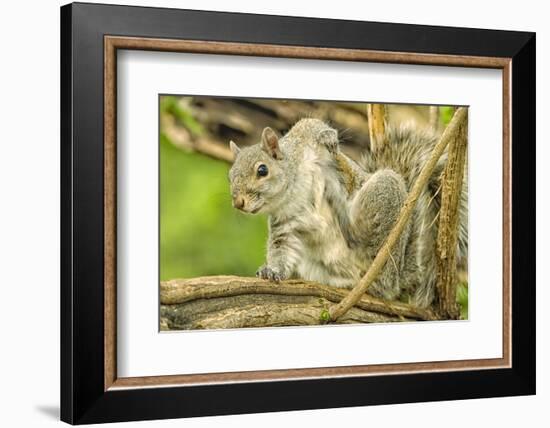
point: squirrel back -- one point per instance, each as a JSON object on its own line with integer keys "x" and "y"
{"x": 407, "y": 150}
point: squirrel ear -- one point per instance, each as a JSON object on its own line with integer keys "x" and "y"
{"x": 270, "y": 143}
{"x": 329, "y": 138}
{"x": 234, "y": 148}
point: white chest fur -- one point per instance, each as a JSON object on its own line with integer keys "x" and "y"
{"x": 326, "y": 257}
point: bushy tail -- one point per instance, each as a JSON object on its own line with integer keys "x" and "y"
{"x": 406, "y": 153}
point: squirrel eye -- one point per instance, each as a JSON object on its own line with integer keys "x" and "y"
{"x": 262, "y": 170}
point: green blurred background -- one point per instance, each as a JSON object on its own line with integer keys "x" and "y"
{"x": 200, "y": 232}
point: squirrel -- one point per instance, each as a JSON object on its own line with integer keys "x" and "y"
{"x": 328, "y": 215}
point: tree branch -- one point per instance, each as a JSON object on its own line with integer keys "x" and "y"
{"x": 233, "y": 302}
{"x": 449, "y": 215}
{"x": 336, "y": 311}
{"x": 376, "y": 116}
{"x": 180, "y": 137}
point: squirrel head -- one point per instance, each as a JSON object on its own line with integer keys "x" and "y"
{"x": 277, "y": 171}
{"x": 258, "y": 176}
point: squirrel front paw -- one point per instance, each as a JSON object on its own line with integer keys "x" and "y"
{"x": 266, "y": 272}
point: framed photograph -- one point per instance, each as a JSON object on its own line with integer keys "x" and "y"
{"x": 267, "y": 213}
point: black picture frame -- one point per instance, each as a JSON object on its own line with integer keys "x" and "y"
{"x": 83, "y": 396}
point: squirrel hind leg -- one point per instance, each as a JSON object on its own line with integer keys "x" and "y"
{"x": 373, "y": 212}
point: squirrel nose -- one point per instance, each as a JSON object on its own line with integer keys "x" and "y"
{"x": 238, "y": 202}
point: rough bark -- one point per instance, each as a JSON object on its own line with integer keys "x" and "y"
{"x": 376, "y": 114}
{"x": 446, "y": 246}
{"x": 453, "y": 129}
{"x": 234, "y": 302}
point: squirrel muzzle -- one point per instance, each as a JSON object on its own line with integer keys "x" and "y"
{"x": 239, "y": 202}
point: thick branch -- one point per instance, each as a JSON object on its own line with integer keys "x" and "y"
{"x": 263, "y": 312}
{"x": 449, "y": 215}
{"x": 231, "y": 302}
{"x": 381, "y": 258}
{"x": 376, "y": 116}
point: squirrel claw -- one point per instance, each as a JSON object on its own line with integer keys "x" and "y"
{"x": 266, "y": 272}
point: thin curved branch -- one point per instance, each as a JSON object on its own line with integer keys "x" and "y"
{"x": 336, "y": 311}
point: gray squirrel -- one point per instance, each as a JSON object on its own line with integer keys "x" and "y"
{"x": 329, "y": 215}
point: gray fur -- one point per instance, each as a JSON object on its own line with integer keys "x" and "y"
{"x": 328, "y": 215}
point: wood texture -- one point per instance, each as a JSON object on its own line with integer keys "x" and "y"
{"x": 235, "y": 302}
{"x": 109, "y": 197}
{"x": 305, "y": 52}
{"x": 112, "y": 43}
{"x": 318, "y": 372}
{"x": 449, "y": 214}
{"x": 507, "y": 213}
{"x": 377, "y": 126}
{"x": 258, "y": 310}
